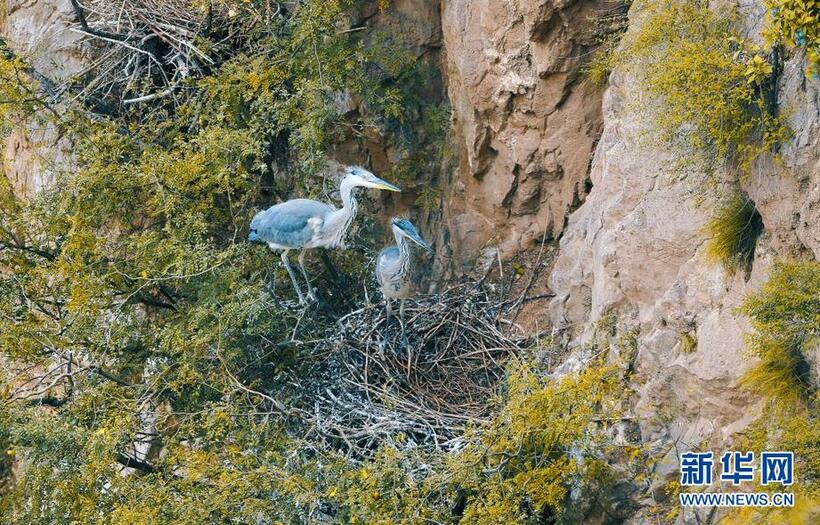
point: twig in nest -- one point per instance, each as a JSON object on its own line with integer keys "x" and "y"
{"x": 151, "y": 45}
{"x": 429, "y": 390}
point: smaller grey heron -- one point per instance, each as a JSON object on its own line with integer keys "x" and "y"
{"x": 300, "y": 224}
{"x": 393, "y": 267}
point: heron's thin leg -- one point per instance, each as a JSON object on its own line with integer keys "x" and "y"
{"x": 386, "y": 321}
{"x": 401, "y": 322}
{"x": 310, "y": 293}
{"x": 292, "y": 276}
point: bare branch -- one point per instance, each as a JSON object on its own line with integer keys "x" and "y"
{"x": 150, "y": 97}
{"x": 80, "y": 14}
{"x": 134, "y": 463}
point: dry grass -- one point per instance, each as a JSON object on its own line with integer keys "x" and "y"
{"x": 733, "y": 233}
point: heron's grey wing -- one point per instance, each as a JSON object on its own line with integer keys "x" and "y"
{"x": 387, "y": 264}
{"x": 289, "y": 223}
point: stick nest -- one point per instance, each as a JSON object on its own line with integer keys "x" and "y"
{"x": 147, "y": 49}
{"x": 422, "y": 390}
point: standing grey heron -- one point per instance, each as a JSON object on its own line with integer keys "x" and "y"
{"x": 393, "y": 267}
{"x": 299, "y": 224}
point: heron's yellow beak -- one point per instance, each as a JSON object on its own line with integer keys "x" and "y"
{"x": 384, "y": 185}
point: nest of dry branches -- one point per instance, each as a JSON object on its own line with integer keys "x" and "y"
{"x": 424, "y": 386}
{"x": 148, "y": 48}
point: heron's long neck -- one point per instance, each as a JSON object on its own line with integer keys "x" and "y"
{"x": 404, "y": 255}
{"x": 349, "y": 203}
{"x": 343, "y": 217}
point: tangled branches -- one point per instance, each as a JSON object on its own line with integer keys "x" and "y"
{"x": 148, "y": 48}
{"x": 423, "y": 389}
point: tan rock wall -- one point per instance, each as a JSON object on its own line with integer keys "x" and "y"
{"x": 634, "y": 249}
{"x": 525, "y": 121}
{"x": 38, "y": 30}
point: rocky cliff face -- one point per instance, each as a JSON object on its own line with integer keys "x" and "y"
{"x": 40, "y": 32}
{"x": 540, "y": 150}
{"x": 631, "y": 256}
{"x": 525, "y": 121}
{"x": 634, "y": 251}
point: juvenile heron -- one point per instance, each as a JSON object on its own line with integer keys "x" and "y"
{"x": 393, "y": 266}
{"x": 299, "y": 224}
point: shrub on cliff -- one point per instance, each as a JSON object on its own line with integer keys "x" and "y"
{"x": 733, "y": 232}
{"x": 542, "y": 458}
{"x": 796, "y": 23}
{"x": 702, "y": 84}
{"x": 785, "y": 316}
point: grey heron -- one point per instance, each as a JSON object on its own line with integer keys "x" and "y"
{"x": 300, "y": 224}
{"x": 393, "y": 266}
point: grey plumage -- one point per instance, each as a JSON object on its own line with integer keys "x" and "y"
{"x": 302, "y": 223}
{"x": 391, "y": 271}
{"x": 291, "y": 224}
{"x": 394, "y": 266}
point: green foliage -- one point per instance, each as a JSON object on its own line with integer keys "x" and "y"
{"x": 785, "y": 315}
{"x": 131, "y": 271}
{"x": 424, "y": 144}
{"x": 603, "y": 61}
{"x": 609, "y": 26}
{"x": 733, "y": 231}
{"x": 797, "y": 23}
{"x": 518, "y": 468}
{"x": 7, "y": 457}
{"x": 525, "y": 454}
{"x": 703, "y": 83}
{"x": 795, "y": 428}
{"x": 17, "y": 90}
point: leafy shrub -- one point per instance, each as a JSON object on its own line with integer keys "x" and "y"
{"x": 688, "y": 343}
{"x": 609, "y": 26}
{"x": 603, "y": 61}
{"x": 7, "y": 454}
{"x": 532, "y": 463}
{"x": 702, "y": 82}
{"x": 785, "y": 315}
{"x": 132, "y": 271}
{"x": 797, "y": 23}
{"x": 733, "y": 232}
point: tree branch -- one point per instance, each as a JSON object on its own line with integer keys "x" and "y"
{"x": 51, "y": 401}
{"x": 29, "y": 249}
{"x": 111, "y": 377}
{"x": 134, "y": 463}
{"x": 47, "y": 84}
{"x": 78, "y": 11}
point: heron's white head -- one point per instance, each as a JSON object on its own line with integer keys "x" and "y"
{"x": 358, "y": 176}
{"x": 405, "y": 228}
